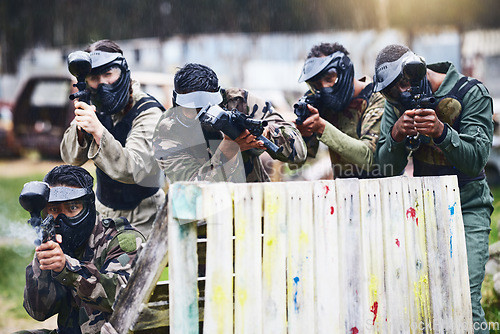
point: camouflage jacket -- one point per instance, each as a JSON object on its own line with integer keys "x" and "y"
{"x": 83, "y": 293}
{"x": 352, "y": 134}
{"x": 188, "y": 151}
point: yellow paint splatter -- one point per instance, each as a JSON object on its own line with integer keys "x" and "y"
{"x": 303, "y": 238}
{"x": 373, "y": 288}
{"x": 242, "y": 296}
{"x": 422, "y": 301}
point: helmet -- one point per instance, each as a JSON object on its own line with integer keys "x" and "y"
{"x": 110, "y": 98}
{"x": 76, "y": 229}
{"x": 338, "y": 96}
{"x": 407, "y": 71}
{"x": 387, "y": 73}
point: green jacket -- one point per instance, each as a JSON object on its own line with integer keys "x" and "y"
{"x": 83, "y": 293}
{"x": 351, "y": 135}
{"x": 466, "y": 146}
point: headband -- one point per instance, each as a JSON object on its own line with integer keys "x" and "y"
{"x": 197, "y": 99}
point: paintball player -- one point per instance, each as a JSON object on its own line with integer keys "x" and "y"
{"x": 453, "y": 136}
{"x": 343, "y": 112}
{"x": 78, "y": 274}
{"x": 189, "y": 150}
{"x": 115, "y": 132}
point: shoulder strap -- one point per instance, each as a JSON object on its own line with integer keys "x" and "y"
{"x": 367, "y": 92}
{"x": 458, "y": 91}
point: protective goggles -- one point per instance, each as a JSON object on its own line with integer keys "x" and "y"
{"x": 329, "y": 75}
{"x": 103, "y": 61}
{"x": 197, "y": 99}
{"x": 393, "y": 91}
{"x": 387, "y": 73}
{"x": 315, "y": 65}
{"x": 70, "y": 205}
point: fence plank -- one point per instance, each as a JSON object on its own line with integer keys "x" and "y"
{"x": 438, "y": 254}
{"x": 373, "y": 250}
{"x": 459, "y": 276}
{"x": 248, "y": 199}
{"x": 353, "y": 281}
{"x": 326, "y": 258}
{"x": 183, "y": 260}
{"x": 274, "y": 258}
{"x": 348, "y": 256}
{"x": 418, "y": 273}
{"x": 395, "y": 255}
{"x": 300, "y": 268}
{"x": 218, "y": 210}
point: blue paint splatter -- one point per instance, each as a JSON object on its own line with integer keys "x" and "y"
{"x": 295, "y": 286}
{"x": 451, "y": 244}
{"x": 451, "y": 208}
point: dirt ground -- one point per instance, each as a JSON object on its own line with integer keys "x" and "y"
{"x": 26, "y": 166}
{"x": 21, "y": 167}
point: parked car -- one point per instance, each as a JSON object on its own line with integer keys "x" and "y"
{"x": 42, "y": 110}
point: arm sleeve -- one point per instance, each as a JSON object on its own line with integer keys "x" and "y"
{"x": 356, "y": 151}
{"x": 133, "y": 163}
{"x": 71, "y": 151}
{"x": 391, "y": 156}
{"x": 99, "y": 286}
{"x": 282, "y": 133}
{"x": 468, "y": 149}
{"x": 43, "y": 296}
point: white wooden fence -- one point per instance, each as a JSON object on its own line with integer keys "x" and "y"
{"x": 344, "y": 256}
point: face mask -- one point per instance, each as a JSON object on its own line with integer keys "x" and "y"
{"x": 75, "y": 236}
{"x": 110, "y": 99}
{"x": 336, "y": 100}
{"x": 337, "y": 97}
{"x": 75, "y": 230}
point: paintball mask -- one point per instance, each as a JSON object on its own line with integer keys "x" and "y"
{"x": 337, "y": 97}
{"x": 400, "y": 80}
{"x": 78, "y": 220}
{"x": 110, "y": 98}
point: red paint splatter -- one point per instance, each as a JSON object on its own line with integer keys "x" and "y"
{"x": 397, "y": 242}
{"x": 412, "y": 213}
{"x": 327, "y": 189}
{"x": 332, "y": 210}
{"x": 354, "y": 330}
{"x": 374, "y": 310}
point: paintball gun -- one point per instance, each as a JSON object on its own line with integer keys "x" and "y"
{"x": 300, "y": 108}
{"x": 79, "y": 65}
{"x": 33, "y": 198}
{"x": 233, "y": 122}
{"x": 415, "y": 72}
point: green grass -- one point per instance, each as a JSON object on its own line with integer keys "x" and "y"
{"x": 16, "y": 248}
{"x": 491, "y": 301}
